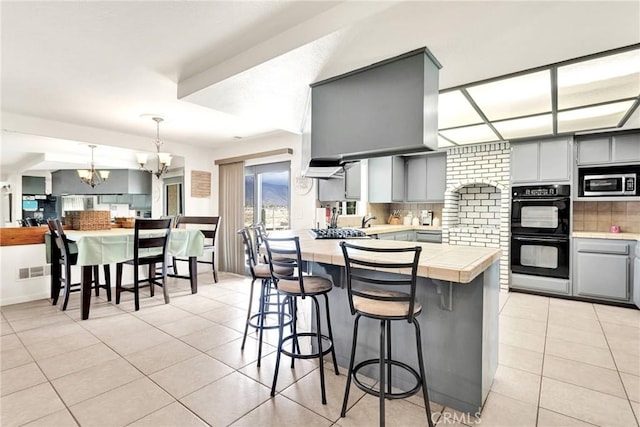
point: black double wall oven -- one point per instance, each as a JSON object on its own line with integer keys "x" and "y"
{"x": 540, "y": 227}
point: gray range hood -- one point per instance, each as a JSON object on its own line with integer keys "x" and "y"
{"x": 387, "y": 108}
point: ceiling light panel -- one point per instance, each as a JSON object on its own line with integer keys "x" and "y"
{"x": 454, "y": 110}
{"x": 598, "y": 117}
{"x": 599, "y": 80}
{"x": 525, "y": 127}
{"x": 470, "y": 134}
{"x": 442, "y": 142}
{"x": 523, "y": 95}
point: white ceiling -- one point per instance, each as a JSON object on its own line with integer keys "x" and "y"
{"x": 104, "y": 64}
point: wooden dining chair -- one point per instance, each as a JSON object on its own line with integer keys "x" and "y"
{"x": 66, "y": 258}
{"x": 149, "y": 248}
{"x": 208, "y": 225}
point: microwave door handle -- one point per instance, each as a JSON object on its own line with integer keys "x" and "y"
{"x": 541, "y": 239}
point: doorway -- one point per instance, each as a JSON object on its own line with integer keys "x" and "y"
{"x": 268, "y": 195}
{"x": 173, "y": 196}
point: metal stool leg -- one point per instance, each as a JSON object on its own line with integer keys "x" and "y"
{"x": 246, "y": 326}
{"x": 423, "y": 373}
{"x": 321, "y": 359}
{"x": 262, "y": 309}
{"x": 354, "y": 341}
{"x": 333, "y": 349}
{"x": 280, "y": 336}
{"x": 382, "y": 366}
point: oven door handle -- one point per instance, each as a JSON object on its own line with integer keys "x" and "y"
{"x": 550, "y": 199}
{"x": 541, "y": 239}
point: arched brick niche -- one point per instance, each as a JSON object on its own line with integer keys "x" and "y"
{"x": 476, "y": 207}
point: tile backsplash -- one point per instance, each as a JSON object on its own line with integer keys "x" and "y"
{"x": 383, "y": 210}
{"x": 600, "y": 216}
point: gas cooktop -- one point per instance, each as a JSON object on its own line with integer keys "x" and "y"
{"x": 337, "y": 233}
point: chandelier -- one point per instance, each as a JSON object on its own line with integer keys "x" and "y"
{"x": 92, "y": 176}
{"x": 163, "y": 160}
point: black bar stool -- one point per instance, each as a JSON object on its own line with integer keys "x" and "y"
{"x": 267, "y": 316}
{"x": 285, "y": 252}
{"x": 61, "y": 253}
{"x": 376, "y": 294}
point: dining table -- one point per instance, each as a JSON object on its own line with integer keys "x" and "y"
{"x": 103, "y": 247}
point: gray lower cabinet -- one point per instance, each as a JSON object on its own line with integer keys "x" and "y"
{"x": 386, "y": 179}
{"x": 541, "y": 161}
{"x": 406, "y": 236}
{"x": 602, "y": 269}
{"x": 434, "y": 236}
{"x": 636, "y": 279}
{"x": 429, "y": 236}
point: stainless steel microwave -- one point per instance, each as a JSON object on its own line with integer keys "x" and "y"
{"x": 610, "y": 184}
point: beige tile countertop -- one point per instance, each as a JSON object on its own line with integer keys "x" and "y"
{"x": 438, "y": 261}
{"x": 388, "y": 228}
{"x": 606, "y": 235}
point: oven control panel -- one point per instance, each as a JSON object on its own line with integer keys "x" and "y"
{"x": 542, "y": 191}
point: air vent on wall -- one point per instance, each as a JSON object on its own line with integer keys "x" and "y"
{"x": 25, "y": 273}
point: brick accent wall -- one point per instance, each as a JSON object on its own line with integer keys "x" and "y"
{"x": 476, "y": 209}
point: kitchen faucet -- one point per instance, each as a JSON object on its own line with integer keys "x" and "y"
{"x": 365, "y": 220}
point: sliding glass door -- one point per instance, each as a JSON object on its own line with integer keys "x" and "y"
{"x": 267, "y": 195}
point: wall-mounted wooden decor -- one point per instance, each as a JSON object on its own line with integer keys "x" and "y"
{"x": 200, "y": 184}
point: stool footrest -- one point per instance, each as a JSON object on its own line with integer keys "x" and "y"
{"x": 371, "y": 390}
{"x": 323, "y": 351}
{"x": 254, "y": 320}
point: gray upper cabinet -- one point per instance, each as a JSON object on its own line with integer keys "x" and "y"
{"x": 416, "y": 178}
{"x": 436, "y": 177}
{"x": 347, "y": 188}
{"x": 121, "y": 181}
{"x": 541, "y": 161}
{"x": 330, "y": 190}
{"x": 594, "y": 151}
{"x": 353, "y": 182}
{"x": 605, "y": 150}
{"x": 625, "y": 148}
{"x": 386, "y": 179}
{"x": 33, "y": 184}
{"x": 426, "y": 177}
{"x": 555, "y": 160}
{"x": 523, "y": 169}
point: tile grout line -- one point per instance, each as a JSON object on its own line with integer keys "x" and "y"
{"x": 624, "y": 388}
{"x": 544, "y": 352}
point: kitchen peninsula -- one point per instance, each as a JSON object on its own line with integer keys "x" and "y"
{"x": 458, "y": 288}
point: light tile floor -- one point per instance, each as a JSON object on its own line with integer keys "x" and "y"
{"x": 562, "y": 363}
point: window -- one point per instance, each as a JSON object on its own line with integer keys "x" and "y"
{"x": 267, "y": 195}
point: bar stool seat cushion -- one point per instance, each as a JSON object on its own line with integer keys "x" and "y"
{"x": 312, "y": 285}
{"x": 262, "y": 271}
{"x": 384, "y": 308}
